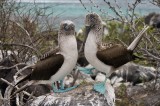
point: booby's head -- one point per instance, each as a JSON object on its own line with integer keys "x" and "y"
{"x": 67, "y": 27}
{"x": 92, "y": 20}
{"x": 66, "y": 38}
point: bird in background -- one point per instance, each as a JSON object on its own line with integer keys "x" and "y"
{"x": 106, "y": 57}
{"x": 153, "y": 19}
{"x": 58, "y": 63}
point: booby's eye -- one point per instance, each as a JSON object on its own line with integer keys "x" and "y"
{"x": 64, "y": 26}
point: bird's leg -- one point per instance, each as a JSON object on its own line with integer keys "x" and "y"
{"x": 86, "y": 70}
{"x": 100, "y": 87}
{"x": 61, "y": 84}
{"x": 62, "y": 89}
{"x": 54, "y": 87}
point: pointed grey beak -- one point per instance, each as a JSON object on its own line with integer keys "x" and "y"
{"x": 87, "y": 30}
{"x": 66, "y": 27}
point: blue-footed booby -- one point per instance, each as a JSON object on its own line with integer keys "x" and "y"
{"x": 58, "y": 63}
{"x": 105, "y": 57}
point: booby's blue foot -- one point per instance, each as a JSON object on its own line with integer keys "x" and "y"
{"x": 100, "y": 87}
{"x": 63, "y": 90}
{"x": 86, "y": 70}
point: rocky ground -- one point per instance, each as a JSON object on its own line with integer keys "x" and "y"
{"x": 139, "y": 95}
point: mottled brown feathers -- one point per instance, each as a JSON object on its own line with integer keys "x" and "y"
{"x": 116, "y": 55}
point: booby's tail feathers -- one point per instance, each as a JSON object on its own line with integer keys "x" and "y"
{"x": 136, "y": 41}
{"x": 23, "y": 87}
{"x": 138, "y": 57}
{"x": 23, "y": 79}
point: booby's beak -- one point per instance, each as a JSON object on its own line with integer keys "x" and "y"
{"x": 66, "y": 27}
{"x": 87, "y": 30}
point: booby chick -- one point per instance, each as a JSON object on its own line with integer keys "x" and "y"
{"x": 56, "y": 64}
{"x": 105, "y": 57}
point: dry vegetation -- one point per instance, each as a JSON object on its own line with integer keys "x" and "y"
{"x": 25, "y": 34}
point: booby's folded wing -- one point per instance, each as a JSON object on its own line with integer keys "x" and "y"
{"x": 43, "y": 70}
{"x": 47, "y": 66}
{"x": 116, "y": 55}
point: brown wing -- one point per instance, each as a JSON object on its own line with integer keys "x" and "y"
{"x": 115, "y": 56}
{"x": 47, "y": 67}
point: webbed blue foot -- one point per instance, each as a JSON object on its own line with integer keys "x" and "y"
{"x": 100, "y": 87}
{"x": 64, "y": 90}
{"x": 86, "y": 70}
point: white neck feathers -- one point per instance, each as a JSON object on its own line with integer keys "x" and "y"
{"x": 68, "y": 44}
